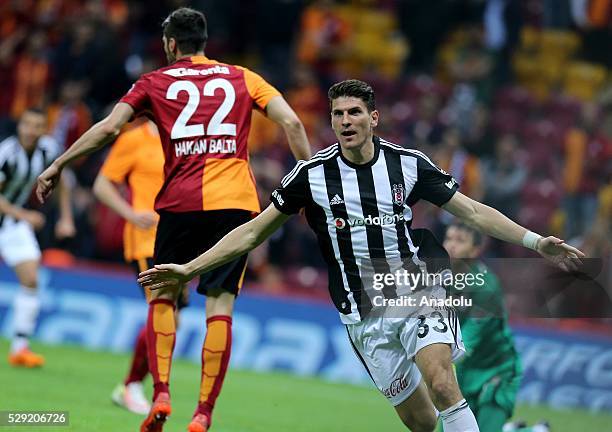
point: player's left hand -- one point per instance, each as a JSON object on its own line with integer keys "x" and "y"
{"x": 560, "y": 253}
{"x": 164, "y": 275}
{"x": 47, "y": 182}
{"x": 64, "y": 228}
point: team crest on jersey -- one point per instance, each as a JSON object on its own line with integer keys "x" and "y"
{"x": 398, "y": 194}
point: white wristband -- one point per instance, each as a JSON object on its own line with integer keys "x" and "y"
{"x": 530, "y": 240}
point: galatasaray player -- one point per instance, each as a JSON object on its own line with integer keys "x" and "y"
{"x": 203, "y": 110}
{"x": 136, "y": 159}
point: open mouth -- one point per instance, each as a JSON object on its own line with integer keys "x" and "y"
{"x": 348, "y": 133}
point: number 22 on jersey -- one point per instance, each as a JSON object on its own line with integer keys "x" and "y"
{"x": 216, "y": 126}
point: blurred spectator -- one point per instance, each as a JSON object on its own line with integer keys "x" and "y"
{"x": 502, "y": 23}
{"x": 425, "y": 25}
{"x": 472, "y": 66}
{"x": 76, "y": 57}
{"x": 89, "y": 54}
{"x": 504, "y": 177}
{"x": 598, "y": 239}
{"x": 309, "y": 102}
{"x": 426, "y": 129}
{"x": 323, "y": 36}
{"x": 32, "y": 74}
{"x": 588, "y": 149}
{"x": 275, "y": 37}
{"x": 69, "y": 116}
{"x": 452, "y": 157}
{"x": 477, "y": 132}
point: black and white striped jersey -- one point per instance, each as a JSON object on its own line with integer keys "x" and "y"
{"x": 19, "y": 170}
{"x": 361, "y": 213}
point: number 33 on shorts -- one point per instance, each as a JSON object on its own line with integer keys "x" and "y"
{"x": 439, "y": 326}
{"x": 425, "y": 324}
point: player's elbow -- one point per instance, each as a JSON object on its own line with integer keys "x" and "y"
{"x": 471, "y": 217}
{"x": 291, "y": 123}
{"x": 108, "y": 130}
{"x": 476, "y": 216}
{"x": 250, "y": 238}
{"x": 98, "y": 187}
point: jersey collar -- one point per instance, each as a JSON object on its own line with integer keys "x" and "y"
{"x": 372, "y": 161}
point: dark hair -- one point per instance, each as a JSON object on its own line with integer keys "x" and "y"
{"x": 477, "y": 238}
{"x": 188, "y": 28}
{"x": 353, "y": 88}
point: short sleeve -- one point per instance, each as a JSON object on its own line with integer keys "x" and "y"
{"x": 4, "y": 169}
{"x": 6, "y": 150}
{"x": 138, "y": 95}
{"x": 433, "y": 184}
{"x": 290, "y": 197}
{"x": 120, "y": 160}
{"x": 261, "y": 92}
{"x": 51, "y": 149}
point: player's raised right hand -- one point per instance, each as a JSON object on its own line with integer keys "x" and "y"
{"x": 47, "y": 182}
{"x": 164, "y": 275}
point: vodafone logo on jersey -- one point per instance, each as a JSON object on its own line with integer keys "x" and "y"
{"x": 384, "y": 220}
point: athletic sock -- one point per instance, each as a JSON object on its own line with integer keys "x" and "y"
{"x": 215, "y": 359}
{"x": 161, "y": 336}
{"x": 25, "y": 313}
{"x": 140, "y": 365}
{"x": 459, "y": 418}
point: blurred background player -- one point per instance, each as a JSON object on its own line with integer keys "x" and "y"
{"x": 203, "y": 110}
{"x": 489, "y": 374}
{"x": 22, "y": 158}
{"x": 137, "y": 159}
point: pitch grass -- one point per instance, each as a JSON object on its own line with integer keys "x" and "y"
{"x": 80, "y": 381}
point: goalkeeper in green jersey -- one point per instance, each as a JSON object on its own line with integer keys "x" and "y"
{"x": 489, "y": 374}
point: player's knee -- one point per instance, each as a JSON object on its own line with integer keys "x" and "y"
{"x": 219, "y": 303}
{"x": 423, "y": 421}
{"x": 170, "y": 293}
{"x": 444, "y": 389}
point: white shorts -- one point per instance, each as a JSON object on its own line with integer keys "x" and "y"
{"x": 18, "y": 243}
{"x": 387, "y": 346}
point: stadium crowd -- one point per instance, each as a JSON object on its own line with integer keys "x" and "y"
{"x": 513, "y": 98}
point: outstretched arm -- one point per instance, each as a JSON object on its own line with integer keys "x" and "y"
{"x": 238, "y": 242}
{"x": 491, "y": 222}
{"x": 95, "y": 138}
{"x": 279, "y": 111}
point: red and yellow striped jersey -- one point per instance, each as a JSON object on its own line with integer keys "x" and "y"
{"x": 203, "y": 111}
